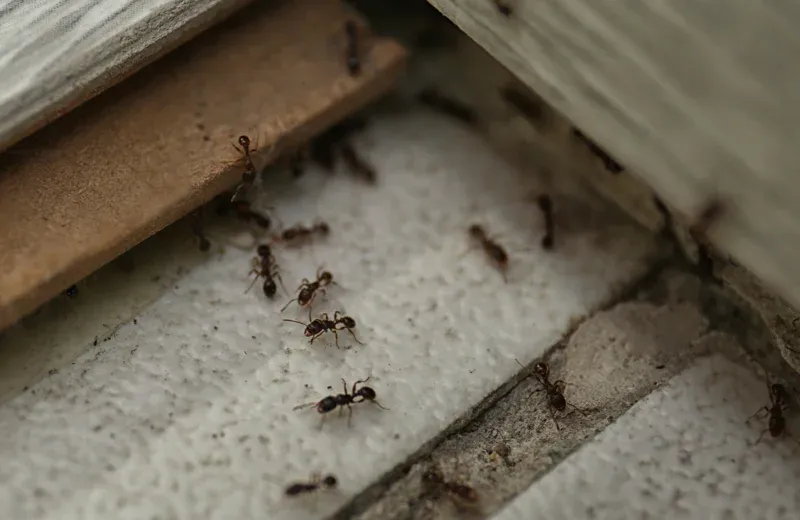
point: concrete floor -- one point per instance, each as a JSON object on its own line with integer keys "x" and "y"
{"x": 164, "y": 391}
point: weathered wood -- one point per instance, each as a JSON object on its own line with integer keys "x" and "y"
{"x": 145, "y": 153}
{"x": 694, "y": 97}
{"x": 54, "y": 55}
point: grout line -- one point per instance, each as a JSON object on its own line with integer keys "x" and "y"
{"x": 369, "y": 496}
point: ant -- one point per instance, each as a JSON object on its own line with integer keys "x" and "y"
{"x": 492, "y": 248}
{"x": 358, "y": 165}
{"x": 353, "y": 61}
{"x": 779, "y": 399}
{"x": 455, "y": 109}
{"x": 316, "y": 483}
{"x": 308, "y": 290}
{"x": 71, "y": 291}
{"x": 249, "y": 174}
{"x": 301, "y": 232}
{"x": 319, "y": 326}
{"x": 461, "y": 494}
{"x": 610, "y": 164}
{"x": 555, "y": 391}
{"x": 264, "y": 266}
{"x": 331, "y": 402}
{"x": 546, "y": 205}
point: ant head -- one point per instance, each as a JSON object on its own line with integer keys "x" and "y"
{"x": 348, "y": 322}
{"x": 541, "y": 370}
{"x": 329, "y": 481}
{"x": 72, "y": 290}
{"x": 326, "y": 277}
{"x": 244, "y": 141}
{"x": 323, "y": 228}
{"x": 367, "y": 393}
{"x": 264, "y": 250}
{"x": 778, "y": 392}
{"x": 270, "y": 288}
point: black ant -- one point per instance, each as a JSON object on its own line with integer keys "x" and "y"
{"x": 546, "y": 205}
{"x": 496, "y": 252}
{"x": 331, "y": 402}
{"x": 610, "y": 164}
{"x": 319, "y": 326}
{"x": 455, "y": 109}
{"x": 264, "y": 266}
{"x": 353, "y": 60}
{"x": 779, "y": 399}
{"x": 554, "y": 390}
{"x": 71, "y": 291}
{"x": 461, "y": 494}
{"x": 356, "y": 164}
{"x": 249, "y": 174}
{"x": 308, "y": 290}
{"x": 316, "y": 483}
{"x": 300, "y": 232}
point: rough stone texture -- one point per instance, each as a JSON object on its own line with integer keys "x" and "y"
{"x": 685, "y": 451}
{"x": 187, "y": 413}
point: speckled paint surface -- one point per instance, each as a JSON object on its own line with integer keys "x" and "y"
{"x": 187, "y": 413}
{"x": 685, "y": 451}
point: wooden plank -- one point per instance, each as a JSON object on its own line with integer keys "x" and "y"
{"x": 694, "y": 97}
{"x": 56, "y": 54}
{"x": 145, "y": 153}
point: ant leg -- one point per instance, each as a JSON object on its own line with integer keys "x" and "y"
{"x": 553, "y": 416}
{"x": 759, "y": 412}
{"x": 254, "y": 280}
{"x": 344, "y": 386}
{"x": 349, "y": 416}
{"x": 321, "y": 422}
{"x": 576, "y": 409}
{"x": 277, "y": 275}
{"x": 359, "y": 382}
{"x": 336, "y": 315}
{"x": 761, "y": 437}
{"x": 290, "y": 302}
{"x": 354, "y": 335}
{"x": 336, "y": 335}
{"x": 315, "y": 336}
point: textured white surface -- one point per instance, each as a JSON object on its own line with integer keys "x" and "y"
{"x": 685, "y": 451}
{"x": 53, "y": 53}
{"x": 188, "y": 412}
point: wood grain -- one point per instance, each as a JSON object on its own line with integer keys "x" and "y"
{"x": 56, "y": 55}
{"x": 694, "y": 97}
{"x": 145, "y": 153}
